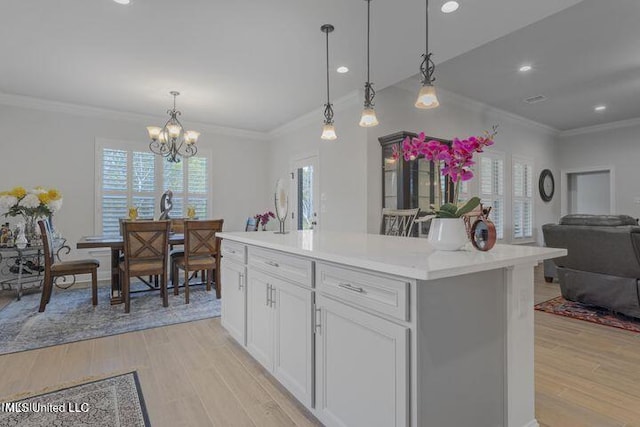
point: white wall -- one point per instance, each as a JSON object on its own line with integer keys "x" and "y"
{"x": 588, "y": 193}
{"x": 616, "y": 148}
{"x": 56, "y": 149}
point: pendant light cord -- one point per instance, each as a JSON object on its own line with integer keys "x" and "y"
{"x": 426, "y": 32}
{"x": 368, "y": 43}
{"x": 327, "y": 33}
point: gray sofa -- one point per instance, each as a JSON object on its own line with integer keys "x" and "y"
{"x": 602, "y": 267}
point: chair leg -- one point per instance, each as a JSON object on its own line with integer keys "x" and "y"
{"x": 209, "y": 277}
{"x": 175, "y": 280}
{"x": 44, "y": 299}
{"x": 217, "y": 283}
{"x": 126, "y": 294}
{"x": 186, "y": 286}
{"x": 94, "y": 286}
{"x": 165, "y": 293}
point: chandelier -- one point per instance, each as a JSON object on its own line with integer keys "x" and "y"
{"x": 172, "y": 141}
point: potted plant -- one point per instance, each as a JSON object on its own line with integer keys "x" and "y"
{"x": 448, "y": 231}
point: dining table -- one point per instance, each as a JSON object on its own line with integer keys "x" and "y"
{"x": 116, "y": 244}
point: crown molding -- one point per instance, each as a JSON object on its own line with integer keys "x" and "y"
{"x": 89, "y": 111}
{"x": 601, "y": 127}
{"x": 315, "y": 116}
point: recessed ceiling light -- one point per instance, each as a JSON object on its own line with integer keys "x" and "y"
{"x": 600, "y": 107}
{"x": 450, "y": 6}
{"x": 525, "y": 68}
{"x": 343, "y": 69}
{"x": 122, "y": 1}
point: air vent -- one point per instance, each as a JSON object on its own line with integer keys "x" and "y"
{"x": 535, "y": 99}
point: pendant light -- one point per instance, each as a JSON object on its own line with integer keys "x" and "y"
{"x": 368, "y": 118}
{"x": 328, "y": 130}
{"x": 427, "y": 97}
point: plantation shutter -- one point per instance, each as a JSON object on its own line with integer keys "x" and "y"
{"x": 114, "y": 189}
{"x": 173, "y": 179}
{"x": 197, "y": 183}
{"x": 492, "y": 189}
{"x": 522, "y": 199}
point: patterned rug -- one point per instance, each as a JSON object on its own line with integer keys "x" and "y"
{"x": 115, "y": 401}
{"x": 599, "y": 315}
{"x": 70, "y": 316}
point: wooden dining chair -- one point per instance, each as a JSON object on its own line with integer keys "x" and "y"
{"x": 53, "y": 269}
{"x": 201, "y": 253}
{"x": 398, "y": 222}
{"x": 146, "y": 250}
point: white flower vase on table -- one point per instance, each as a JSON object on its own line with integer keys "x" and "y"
{"x": 21, "y": 240}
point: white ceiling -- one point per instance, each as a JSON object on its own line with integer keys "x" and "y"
{"x": 583, "y": 56}
{"x": 249, "y": 64}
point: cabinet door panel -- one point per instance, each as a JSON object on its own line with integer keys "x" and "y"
{"x": 361, "y": 368}
{"x": 234, "y": 301}
{"x": 293, "y": 357}
{"x": 259, "y": 318}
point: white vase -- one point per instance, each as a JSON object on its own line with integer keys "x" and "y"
{"x": 447, "y": 234}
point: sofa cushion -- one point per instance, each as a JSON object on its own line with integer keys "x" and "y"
{"x": 598, "y": 220}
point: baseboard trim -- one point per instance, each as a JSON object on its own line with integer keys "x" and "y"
{"x": 532, "y": 423}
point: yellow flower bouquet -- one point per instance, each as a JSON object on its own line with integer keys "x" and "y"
{"x": 39, "y": 202}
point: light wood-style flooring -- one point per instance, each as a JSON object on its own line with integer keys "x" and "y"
{"x": 193, "y": 374}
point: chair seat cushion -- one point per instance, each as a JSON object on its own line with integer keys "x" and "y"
{"x": 144, "y": 268}
{"x": 199, "y": 263}
{"x": 78, "y": 265}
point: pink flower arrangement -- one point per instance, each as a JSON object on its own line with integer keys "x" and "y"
{"x": 264, "y": 218}
{"x": 454, "y": 161}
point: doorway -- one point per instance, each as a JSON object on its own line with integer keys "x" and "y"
{"x": 588, "y": 192}
{"x": 306, "y": 194}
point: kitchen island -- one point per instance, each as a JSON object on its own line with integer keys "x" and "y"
{"x": 370, "y": 330}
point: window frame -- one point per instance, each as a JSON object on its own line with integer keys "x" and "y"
{"x": 494, "y": 155}
{"x": 130, "y": 147}
{"x": 526, "y": 161}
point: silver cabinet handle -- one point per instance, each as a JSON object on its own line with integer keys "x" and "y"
{"x": 241, "y": 282}
{"x": 273, "y": 297}
{"x": 272, "y": 263}
{"x": 350, "y": 287}
{"x": 317, "y": 316}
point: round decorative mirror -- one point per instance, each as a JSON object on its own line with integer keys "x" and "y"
{"x": 483, "y": 234}
{"x": 546, "y": 185}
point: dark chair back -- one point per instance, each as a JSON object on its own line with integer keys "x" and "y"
{"x": 145, "y": 242}
{"x": 47, "y": 243}
{"x": 398, "y": 222}
{"x": 200, "y": 238}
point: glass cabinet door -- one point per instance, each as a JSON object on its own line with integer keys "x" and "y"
{"x": 390, "y": 172}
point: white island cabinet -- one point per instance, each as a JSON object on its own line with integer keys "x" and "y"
{"x": 369, "y": 330}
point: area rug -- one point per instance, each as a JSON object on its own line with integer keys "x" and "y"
{"x": 114, "y": 401}
{"x": 588, "y": 313}
{"x": 70, "y": 316}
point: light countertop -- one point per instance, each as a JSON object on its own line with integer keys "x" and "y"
{"x": 401, "y": 256}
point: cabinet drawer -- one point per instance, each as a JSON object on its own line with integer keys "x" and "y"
{"x": 296, "y": 269}
{"x": 371, "y": 291}
{"x": 234, "y": 251}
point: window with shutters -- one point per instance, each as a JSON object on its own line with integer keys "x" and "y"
{"x": 129, "y": 175}
{"x": 522, "y": 176}
{"x": 491, "y": 183}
